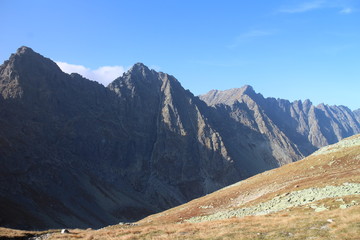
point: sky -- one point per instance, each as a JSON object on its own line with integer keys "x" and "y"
{"x": 288, "y": 49}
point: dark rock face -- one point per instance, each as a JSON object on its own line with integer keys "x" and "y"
{"x": 76, "y": 154}
{"x": 60, "y": 135}
{"x": 305, "y": 126}
{"x": 175, "y": 153}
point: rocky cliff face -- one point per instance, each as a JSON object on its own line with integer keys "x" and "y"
{"x": 172, "y": 146}
{"x": 306, "y": 126}
{"x": 357, "y": 114}
{"x": 76, "y": 154}
{"x": 60, "y": 136}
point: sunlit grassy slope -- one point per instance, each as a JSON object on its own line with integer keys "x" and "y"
{"x": 315, "y": 198}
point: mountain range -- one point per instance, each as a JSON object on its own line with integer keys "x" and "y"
{"x": 77, "y": 154}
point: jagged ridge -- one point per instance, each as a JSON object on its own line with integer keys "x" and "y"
{"x": 307, "y": 126}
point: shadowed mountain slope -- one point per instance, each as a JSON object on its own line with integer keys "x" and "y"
{"x": 59, "y": 137}
{"x": 77, "y": 154}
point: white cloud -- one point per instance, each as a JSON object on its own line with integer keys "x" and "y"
{"x": 109, "y": 73}
{"x": 304, "y": 7}
{"x": 346, "y": 10}
{"x": 103, "y": 75}
{"x": 343, "y": 6}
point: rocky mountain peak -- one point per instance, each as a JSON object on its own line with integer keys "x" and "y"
{"x": 12, "y": 69}
{"x": 140, "y": 70}
{"x": 138, "y": 74}
{"x": 227, "y": 97}
{"x": 25, "y": 73}
{"x": 139, "y": 67}
{"x": 24, "y": 50}
{"x": 138, "y": 78}
{"x": 26, "y": 60}
{"x": 307, "y": 104}
{"x": 247, "y": 89}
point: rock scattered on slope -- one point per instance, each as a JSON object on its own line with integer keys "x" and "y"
{"x": 288, "y": 200}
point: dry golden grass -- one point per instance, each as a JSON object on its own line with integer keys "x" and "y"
{"x": 7, "y": 233}
{"x": 299, "y": 223}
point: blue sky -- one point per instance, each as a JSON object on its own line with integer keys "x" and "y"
{"x": 284, "y": 48}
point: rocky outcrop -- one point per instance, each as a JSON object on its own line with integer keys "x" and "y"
{"x": 77, "y": 154}
{"x": 306, "y": 126}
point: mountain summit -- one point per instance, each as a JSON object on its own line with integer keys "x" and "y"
{"x": 228, "y": 97}
{"x": 77, "y": 154}
{"x": 23, "y": 73}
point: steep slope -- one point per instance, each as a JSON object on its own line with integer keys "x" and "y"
{"x": 74, "y": 153}
{"x": 246, "y": 126}
{"x": 252, "y": 139}
{"x": 172, "y": 146}
{"x": 77, "y": 154}
{"x": 301, "y": 123}
{"x": 182, "y": 142}
{"x": 357, "y": 114}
